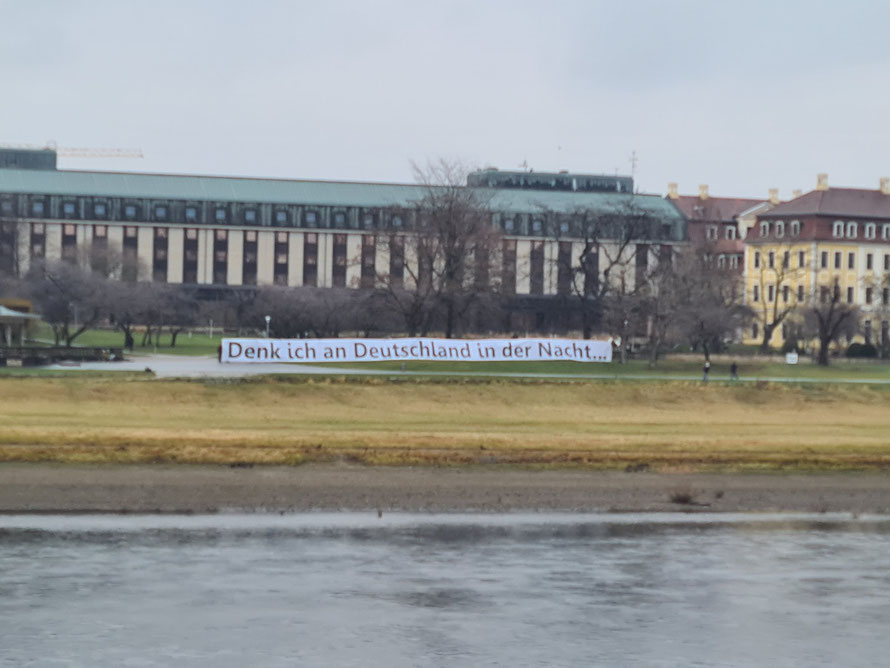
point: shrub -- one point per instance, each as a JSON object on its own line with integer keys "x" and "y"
{"x": 862, "y": 350}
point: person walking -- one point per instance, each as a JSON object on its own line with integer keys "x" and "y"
{"x": 706, "y": 370}
{"x": 733, "y": 371}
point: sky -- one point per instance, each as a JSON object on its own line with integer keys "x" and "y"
{"x": 742, "y": 96}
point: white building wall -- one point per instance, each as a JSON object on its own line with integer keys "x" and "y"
{"x": 325, "y": 260}
{"x": 381, "y": 262}
{"x": 53, "y": 241}
{"x": 23, "y": 250}
{"x": 551, "y": 267}
{"x": 353, "y": 260}
{"x": 235, "y": 258}
{"x": 523, "y": 266}
{"x": 295, "y": 259}
{"x": 265, "y": 251}
{"x": 205, "y": 257}
{"x": 175, "y": 249}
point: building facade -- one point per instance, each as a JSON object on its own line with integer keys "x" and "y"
{"x": 803, "y": 251}
{"x": 234, "y": 233}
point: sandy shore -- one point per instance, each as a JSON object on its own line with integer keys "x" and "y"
{"x": 44, "y": 488}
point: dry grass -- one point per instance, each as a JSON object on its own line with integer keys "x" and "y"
{"x": 662, "y": 426}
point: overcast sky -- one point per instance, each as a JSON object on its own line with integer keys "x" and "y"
{"x": 742, "y": 96}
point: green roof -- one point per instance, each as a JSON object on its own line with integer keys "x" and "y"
{"x": 321, "y": 193}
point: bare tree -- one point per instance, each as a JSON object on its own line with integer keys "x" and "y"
{"x": 442, "y": 251}
{"x": 828, "y": 317}
{"x": 70, "y": 299}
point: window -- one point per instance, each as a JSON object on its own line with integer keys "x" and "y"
{"x": 281, "y": 238}
{"x": 311, "y": 217}
{"x": 734, "y": 261}
{"x": 721, "y": 261}
{"x": 161, "y": 212}
{"x": 712, "y": 232}
{"x": 221, "y": 235}
{"x": 780, "y": 228}
{"x": 100, "y": 231}
{"x": 755, "y": 331}
{"x": 250, "y": 215}
{"x": 772, "y": 260}
{"x": 851, "y": 260}
{"x": 69, "y": 230}
{"x": 397, "y": 221}
{"x": 886, "y": 262}
{"x": 764, "y": 229}
{"x": 564, "y": 227}
{"x": 824, "y": 260}
{"x": 99, "y": 209}
{"x": 786, "y": 293}
{"x": 130, "y": 232}
{"x": 130, "y": 211}
{"x": 837, "y": 229}
{"x": 537, "y": 225}
{"x": 795, "y": 228}
{"x": 191, "y": 213}
{"x": 852, "y": 230}
{"x": 885, "y": 232}
{"x": 837, "y": 260}
{"x": 37, "y": 228}
{"x": 771, "y": 293}
{"x": 786, "y": 260}
{"x": 250, "y": 236}
{"x": 6, "y": 207}
{"x": 801, "y": 259}
{"x": 160, "y": 233}
{"x": 869, "y": 230}
{"x": 340, "y": 219}
{"x": 68, "y": 208}
{"x": 730, "y": 232}
{"x": 508, "y": 225}
{"x": 849, "y": 295}
{"x": 867, "y": 331}
{"x": 757, "y": 260}
{"x": 755, "y": 295}
{"x": 885, "y": 296}
{"x": 868, "y": 295}
{"x": 368, "y": 221}
{"x": 869, "y": 261}
{"x": 800, "y": 293}
{"x": 281, "y": 217}
{"x": 37, "y": 208}
{"x": 191, "y": 235}
{"x": 220, "y": 215}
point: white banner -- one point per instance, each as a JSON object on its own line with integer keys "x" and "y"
{"x": 404, "y": 350}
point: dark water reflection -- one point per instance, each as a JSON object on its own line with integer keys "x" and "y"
{"x": 446, "y": 590}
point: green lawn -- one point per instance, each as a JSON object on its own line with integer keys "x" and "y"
{"x": 196, "y": 344}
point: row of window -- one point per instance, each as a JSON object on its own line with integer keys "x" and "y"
{"x": 823, "y": 260}
{"x": 786, "y": 292}
{"x": 867, "y": 330}
{"x": 778, "y": 228}
{"x": 729, "y": 232}
{"x": 850, "y": 230}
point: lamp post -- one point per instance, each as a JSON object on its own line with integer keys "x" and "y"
{"x": 268, "y": 320}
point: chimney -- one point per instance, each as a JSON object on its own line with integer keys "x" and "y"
{"x": 703, "y": 191}
{"x": 796, "y": 193}
{"x": 885, "y": 185}
{"x": 673, "y": 192}
{"x": 773, "y": 195}
{"x": 822, "y": 182}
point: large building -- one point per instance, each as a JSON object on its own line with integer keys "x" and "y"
{"x": 227, "y": 233}
{"x": 801, "y": 251}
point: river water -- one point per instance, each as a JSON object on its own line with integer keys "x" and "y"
{"x": 445, "y": 590}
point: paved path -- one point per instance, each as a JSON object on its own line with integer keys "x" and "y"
{"x": 177, "y": 366}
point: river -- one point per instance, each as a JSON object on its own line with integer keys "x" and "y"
{"x": 445, "y": 590}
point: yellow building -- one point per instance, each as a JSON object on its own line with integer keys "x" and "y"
{"x": 825, "y": 242}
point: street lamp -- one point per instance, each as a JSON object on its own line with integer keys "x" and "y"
{"x": 268, "y": 320}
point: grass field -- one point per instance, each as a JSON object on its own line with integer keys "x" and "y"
{"x": 196, "y": 344}
{"x": 659, "y": 426}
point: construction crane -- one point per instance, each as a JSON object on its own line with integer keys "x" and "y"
{"x": 70, "y": 152}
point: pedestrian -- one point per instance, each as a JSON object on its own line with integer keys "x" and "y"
{"x": 706, "y": 370}
{"x": 733, "y": 371}
{"x": 219, "y": 353}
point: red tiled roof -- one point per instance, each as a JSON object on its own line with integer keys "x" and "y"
{"x": 841, "y": 202}
{"x": 713, "y": 208}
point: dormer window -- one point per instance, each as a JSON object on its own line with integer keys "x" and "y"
{"x": 885, "y": 232}
{"x": 99, "y": 209}
{"x": 795, "y": 228}
{"x": 37, "y": 208}
{"x": 249, "y": 215}
{"x": 311, "y": 217}
{"x": 220, "y": 215}
{"x": 340, "y": 219}
{"x": 870, "y": 230}
{"x": 68, "y": 208}
{"x": 508, "y": 225}
{"x": 712, "y": 232}
{"x": 764, "y": 229}
{"x": 780, "y": 228}
{"x": 397, "y": 221}
{"x": 191, "y": 213}
{"x": 130, "y": 211}
{"x": 281, "y": 217}
{"x": 837, "y": 229}
{"x": 730, "y": 232}
{"x": 852, "y": 230}
{"x": 368, "y": 221}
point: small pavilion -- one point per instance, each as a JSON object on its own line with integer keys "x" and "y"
{"x": 12, "y": 326}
